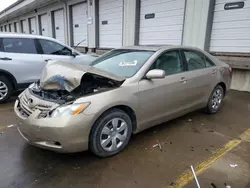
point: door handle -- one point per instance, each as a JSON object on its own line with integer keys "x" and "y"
{"x": 46, "y": 60}
{"x": 183, "y": 80}
{"x": 214, "y": 71}
{"x": 5, "y": 59}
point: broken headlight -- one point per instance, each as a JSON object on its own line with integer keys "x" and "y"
{"x": 72, "y": 109}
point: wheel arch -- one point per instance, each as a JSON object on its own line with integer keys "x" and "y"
{"x": 128, "y": 110}
{"x": 223, "y": 85}
{"x": 9, "y": 76}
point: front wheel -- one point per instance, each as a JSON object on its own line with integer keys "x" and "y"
{"x": 111, "y": 133}
{"x": 215, "y": 100}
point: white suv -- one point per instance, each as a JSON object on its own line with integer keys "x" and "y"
{"x": 23, "y": 57}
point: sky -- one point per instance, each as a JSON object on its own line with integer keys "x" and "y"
{"x": 6, "y": 3}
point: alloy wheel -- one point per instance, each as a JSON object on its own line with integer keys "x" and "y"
{"x": 217, "y": 98}
{"x": 3, "y": 90}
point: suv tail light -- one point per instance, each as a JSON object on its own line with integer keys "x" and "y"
{"x": 230, "y": 70}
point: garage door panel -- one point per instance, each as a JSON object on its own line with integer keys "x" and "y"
{"x": 111, "y": 12}
{"x": 235, "y": 42}
{"x": 59, "y": 25}
{"x": 148, "y": 2}
{"x": 12, "y": 27}
{"x": 230, "y": 49}
{"x": 152, "y": 41}
{"x": 238, "y": 33}
{"x": 167, "y": 22}
{"x": 33, "y": 26}
{"x": 162, "y": 34}
{"x": 110, "y": 5}
{"x": 162, "y": 28}
{"x": 111, "y": 38}
{"x": 79, "y": 19}
{"x": 231, "y": 28}
{"x": 44, "y": 25}
{"x": 110, "y": 23}
{"x": 232, "y": 15}
{"x": 234, "y": 24}
{"x": 162, "y": 7}
{"x": 165, "y": 14}
{"x": 105, "y": 2}
{"x": 162, "y": 22}
{"x": 25, "y": 26}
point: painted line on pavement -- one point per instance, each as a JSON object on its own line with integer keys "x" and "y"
{"x": 187, "y": 176}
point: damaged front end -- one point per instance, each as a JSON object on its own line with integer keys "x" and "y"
{"x": 61, "y": 84}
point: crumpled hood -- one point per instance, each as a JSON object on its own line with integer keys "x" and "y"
{"x": 62, "y": 75}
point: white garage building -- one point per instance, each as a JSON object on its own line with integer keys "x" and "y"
{"x": 221, "y": 27}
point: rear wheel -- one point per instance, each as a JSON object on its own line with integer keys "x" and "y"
{"x": 215, "y": 100}
{"x": 5, "y": 89}
{"x": 111, "y": 133}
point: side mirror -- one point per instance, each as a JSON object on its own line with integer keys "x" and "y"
{"x": 156, "y": 74}
{"x": 74, "y": 54}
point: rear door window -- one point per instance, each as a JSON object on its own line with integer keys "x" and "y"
{"x": 19, "y": 45}
{"x": 194, "y": 60}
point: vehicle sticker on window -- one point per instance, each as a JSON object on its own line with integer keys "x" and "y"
{"x": 128, "y": 64}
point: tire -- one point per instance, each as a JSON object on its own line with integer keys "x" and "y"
{"x": 215, "y": 100}
{"x": 5, "y": 84}
{"x": 105, "y": 132}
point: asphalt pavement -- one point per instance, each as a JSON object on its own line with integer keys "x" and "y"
{"x": 184, "y": 141}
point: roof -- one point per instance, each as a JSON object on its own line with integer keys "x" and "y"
{"x": 16, "y": 35}
{"x": 156, "y": 47}
{"x": 11, "y": 6}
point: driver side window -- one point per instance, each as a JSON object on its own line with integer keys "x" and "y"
{"x": 53, "y": 48}
{"x": 170, "y": 62}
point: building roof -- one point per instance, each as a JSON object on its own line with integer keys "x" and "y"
{"x": 11, "y": 6}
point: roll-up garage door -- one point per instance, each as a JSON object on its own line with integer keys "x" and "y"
{"x": 33, "y": 26}
{"x": 44, "y": 25}
{"x": 16, "y": 28}
{"x": 79, "y": 21}
{"x": 161, "y": 22}
{"x": 59, "y": 25}
{"x": 12, "y": 27}
{"x": 231, "y": 26}
{"x": 24, "y": 26}
{"x": 110, "y": 23}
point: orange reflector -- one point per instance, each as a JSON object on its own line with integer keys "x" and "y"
{"x": 79, "y": 109}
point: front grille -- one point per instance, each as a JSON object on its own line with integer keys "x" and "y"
{"x": 26, "y": 110}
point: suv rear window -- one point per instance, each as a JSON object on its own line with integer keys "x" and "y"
{"x": 19, "y": 45}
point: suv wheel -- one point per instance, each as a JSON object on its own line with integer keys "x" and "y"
{"x": 5, "y": 89}
{"x": 111, "y": 133}
{"x": 215, "y": 100}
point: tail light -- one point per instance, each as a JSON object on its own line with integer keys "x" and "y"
{"x": 230, "y": 70}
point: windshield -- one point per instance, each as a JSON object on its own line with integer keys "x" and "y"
{"x": 122, "y": 62}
